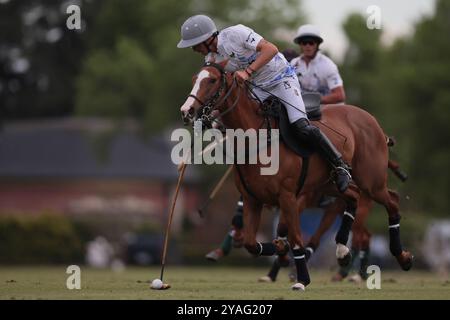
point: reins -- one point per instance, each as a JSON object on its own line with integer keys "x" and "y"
{"x": 213, "y": 103}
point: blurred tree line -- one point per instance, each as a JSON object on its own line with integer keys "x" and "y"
{"x": 39, "y": 58}
{"x": 124, "y": 63}
{"x": 406, "y": 86}
{"x": 134, "y": 68}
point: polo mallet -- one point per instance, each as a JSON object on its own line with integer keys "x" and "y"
{"x": 157, "y": 284}
{"x": 215, "y": 190}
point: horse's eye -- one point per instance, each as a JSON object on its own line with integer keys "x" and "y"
{"x": 212, "y": 80}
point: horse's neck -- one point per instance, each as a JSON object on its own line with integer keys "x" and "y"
{"x": 245, "y": 114}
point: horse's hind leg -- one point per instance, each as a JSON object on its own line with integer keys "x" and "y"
{"x": 329, "y": 216}
{"x": 364, "y": 253}
{"x": 360, "y": 241}
{"x": 361, "y": 236}
{"x": 390, "y": 200}
{"x": 343, "y": 254}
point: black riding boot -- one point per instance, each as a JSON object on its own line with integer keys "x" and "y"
{"x": 311, "y": 134}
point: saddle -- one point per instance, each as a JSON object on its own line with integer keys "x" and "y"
{"x": 274, "y": 108}
{"x": 312, "y": 105}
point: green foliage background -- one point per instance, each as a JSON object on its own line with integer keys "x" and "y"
{"x": 124, "y": 63}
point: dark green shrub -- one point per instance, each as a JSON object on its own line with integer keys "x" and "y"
{"x": 46, "y": 238}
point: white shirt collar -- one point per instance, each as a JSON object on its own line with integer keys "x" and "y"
{"x": 318, "y": 54}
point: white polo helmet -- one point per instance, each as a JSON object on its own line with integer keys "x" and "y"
{"x": 195, "y": 30}
{"x": 308, "y": 31}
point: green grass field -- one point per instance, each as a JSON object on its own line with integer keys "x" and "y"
{"x": 215, "y": 283}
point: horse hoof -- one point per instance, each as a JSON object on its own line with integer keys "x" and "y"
{"x": 345, "y": 261}
{"x": 343, "y": 254}
{"x": 405, "y": 259}
{"x": 265, "y": 279}
{"x": 298, "y": 287}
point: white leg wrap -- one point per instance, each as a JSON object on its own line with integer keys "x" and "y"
{"x": 341, "y": 251}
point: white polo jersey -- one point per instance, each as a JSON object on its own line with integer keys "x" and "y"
{"x": 238, "y": 44}
{"x": 321, "y": 75}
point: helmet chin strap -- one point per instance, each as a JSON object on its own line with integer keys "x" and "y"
{"x": 208, "y": 44}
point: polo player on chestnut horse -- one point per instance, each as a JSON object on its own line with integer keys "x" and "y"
{"x": 365, "y": 149}
{"x": 218, "y": 94}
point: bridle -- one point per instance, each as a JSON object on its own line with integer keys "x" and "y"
{"x": 204, "y": 113}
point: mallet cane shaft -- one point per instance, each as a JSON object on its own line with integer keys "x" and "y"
{"x": 169, "y": 223}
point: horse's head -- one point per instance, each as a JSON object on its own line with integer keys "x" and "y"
{"x": 208, "y": 86}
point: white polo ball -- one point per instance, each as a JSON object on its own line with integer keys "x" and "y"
{"x": 157, "y": 284}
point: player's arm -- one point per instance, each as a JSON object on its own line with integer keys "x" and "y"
{"x": 267, "y": 51}
{"x": 337, "y": 95}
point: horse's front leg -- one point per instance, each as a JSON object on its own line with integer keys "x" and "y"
{"x": 290, "y": 209}
{"x": 281, "y": 242}
{"x": 252, "y": 218}
{"x": 282, "y": 250}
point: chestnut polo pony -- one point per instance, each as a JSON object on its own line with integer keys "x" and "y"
{"x": 361, "y": 235}
{"x": 217, "y": 94}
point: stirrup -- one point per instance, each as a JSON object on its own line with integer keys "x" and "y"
{"x": 344, "y": 169}
{"x": 342, "y": 178}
